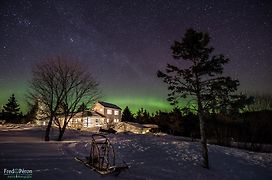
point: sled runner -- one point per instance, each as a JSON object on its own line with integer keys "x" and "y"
{"x": 102, "y": 156}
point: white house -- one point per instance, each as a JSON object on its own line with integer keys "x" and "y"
{"x": 103, "y": 114}
{"x": 86, "y": 119}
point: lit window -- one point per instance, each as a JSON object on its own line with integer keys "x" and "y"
{"x": 108, "y": 120}
{"x": 101, "y": 110}
{"x": 109, "y": 111}
{"x": 85, "y": 123}
{"x": 117, "y": 120}
{"x": 89, "y": 123}
{"x": 96, "y": 122}
{"x": 116, "y": 112}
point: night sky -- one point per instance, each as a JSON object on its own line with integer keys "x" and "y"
{"x": 124, "y": 43}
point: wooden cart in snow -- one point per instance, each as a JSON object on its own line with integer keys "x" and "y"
{"x": 102, "y": 156}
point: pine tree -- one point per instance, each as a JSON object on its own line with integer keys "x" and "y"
{"x": 202, "y": 81}
{"x": 11, "y": 110}
{"x": 127, "y": 115}
{"x": 142, "y": 116}
{"x": 31, "y": 115}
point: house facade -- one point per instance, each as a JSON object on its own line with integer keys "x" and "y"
{"x": 87, "y": 119}
{"x": 102, "y": 115}
{"x": 41, "y": 116}
{"x": 111, "y": 112}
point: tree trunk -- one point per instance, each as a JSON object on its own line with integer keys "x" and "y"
{"x": 202, "y": 124}
{"x": 48, "y": 128}
{"x": 60, "y": 135}
{"x": 61, "y": 132}
{"x": 202, "y": 133}
{"x": 203, "y": 141}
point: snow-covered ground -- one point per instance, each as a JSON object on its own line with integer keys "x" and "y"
{"x": 148, "y": 156}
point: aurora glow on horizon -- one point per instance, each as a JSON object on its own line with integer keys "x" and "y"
{"x": 124, "y": 43}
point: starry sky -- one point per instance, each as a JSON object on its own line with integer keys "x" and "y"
{"x": 124, "y": 42}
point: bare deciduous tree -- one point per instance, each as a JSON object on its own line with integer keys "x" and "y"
{"x": 61, "y": 84}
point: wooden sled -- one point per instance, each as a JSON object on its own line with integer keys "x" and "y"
{"x": 115, "y": 170}
{"x": 102, "y": 157}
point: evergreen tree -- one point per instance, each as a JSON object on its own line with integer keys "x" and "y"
{"x": 202, "y": 80}
{"x": 175, "y": 121}
{"x": 142, "y": 116}
{"x": 32, "y": 113}
{"x": 2, "y": 114}
{"x": 127, "y": 115}
{"x": 12, "y": 110}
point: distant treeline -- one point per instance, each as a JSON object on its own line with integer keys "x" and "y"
{"x": 248, "y": 130}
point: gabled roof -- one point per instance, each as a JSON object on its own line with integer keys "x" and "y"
{"x": 109, "y": 105}
{"x": 88, "y": 114}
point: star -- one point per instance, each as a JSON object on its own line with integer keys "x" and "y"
{"x": 124, "y": 43}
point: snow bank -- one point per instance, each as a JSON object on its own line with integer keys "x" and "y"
{"x": 170, "y": 157}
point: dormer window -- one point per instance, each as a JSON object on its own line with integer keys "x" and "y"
{"x": 116, "y": 113}
{"x": 109, "y": 111}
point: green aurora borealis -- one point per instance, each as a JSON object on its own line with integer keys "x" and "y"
{"x": 151, "y": 104}
{"x": 134, "y": 102}
{"x": 19, "y": 89}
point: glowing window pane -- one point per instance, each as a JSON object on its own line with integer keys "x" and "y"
{"x": 109, "y": 111}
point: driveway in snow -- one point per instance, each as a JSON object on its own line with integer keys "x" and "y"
{"x": 24, "y": 149}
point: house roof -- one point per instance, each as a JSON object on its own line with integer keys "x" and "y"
{"x": 88, "y": 113}
{"x": 109, "y": 105}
